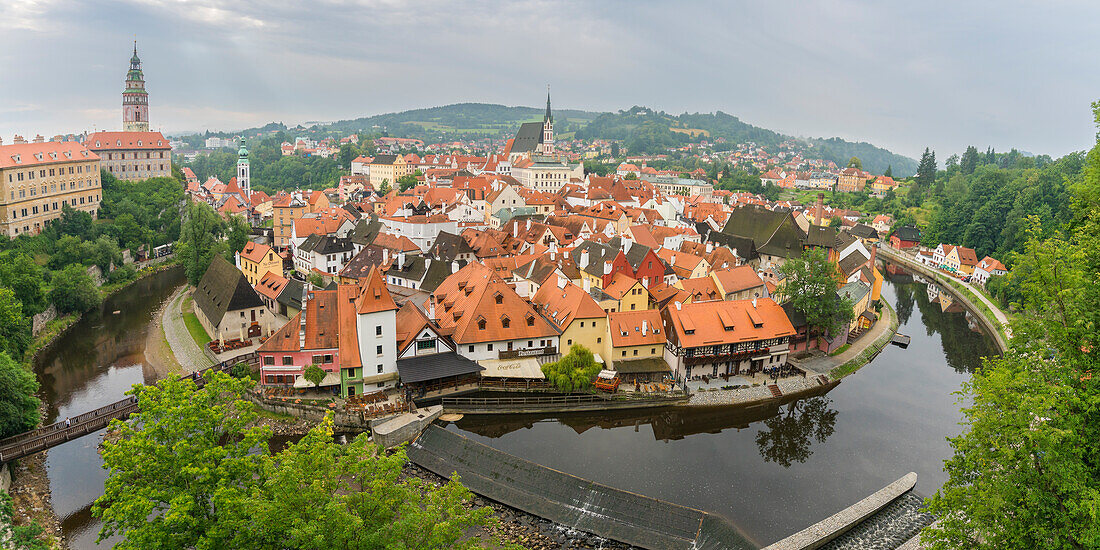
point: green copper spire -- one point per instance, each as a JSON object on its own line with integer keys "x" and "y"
{"x": 242, "y": 153}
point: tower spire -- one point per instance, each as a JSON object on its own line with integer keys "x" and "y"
{"x": 549, "y": 117}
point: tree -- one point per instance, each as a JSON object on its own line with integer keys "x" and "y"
{"x": 73, "y": 290}
{"x": 408, "y": 181}
{"x": 787, "y": 439}
{"x": 314, "y": 374}
{"x": 969, "y": 161}
{"x": 854, "y": 162}
{"x": 18, "y": 405}
{"x": 385, "y": 187}
{"x": 810, "y": 285}
{"x": 239, "y": 231}
{"x": 76, "y": 223}
{"x": 615, "y": 149}
{"x": 198, "y": 240}
{"x": 630, "y": 176}
{"x": 18, "y": 537}
{"x": 191, "y": 470}
{"x": 19, "y": 272}
{"x": 574, "y": 372}
{"x": 241, "y": 370}
{"x": 1024, "y": 472}
{"x": 926, "y": 170}
{"x": 15, "y": 329}
{"x": 889, "y": 171}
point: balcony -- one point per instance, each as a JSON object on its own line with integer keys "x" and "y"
{"x": 532, "y": 352}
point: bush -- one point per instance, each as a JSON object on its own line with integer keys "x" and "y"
{"x": 18, "y": 405}
{"x": 123, "y": 274}
{"x": 241, "y": 370}
{"x": 73, "y": 290}
{"x": 574, "y": 372}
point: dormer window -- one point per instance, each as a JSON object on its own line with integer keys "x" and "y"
{"x": 118, "y": 143}
{"x": 139, "y": 143}
{"x": 97, "y": 143}
{"x": 481, "y": 324}
{"x": 531, "y": 321}
{"x": 499, "y": 298}
{"x": 505, "y": 322}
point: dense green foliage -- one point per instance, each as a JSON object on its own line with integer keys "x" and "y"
{"x": 314, "y": 374}
{"x": 18, "y": 406}
{"x": 201, "y": 238}
{"x": 461, "y": 120}
{"x": 15, "y": 329}
{"x": 573, "y": 372}
{"x": 987, "y": 209}
{"x": 1026, "y": 472}
{"x": 74, "y": 290}
{"x": 142, "y": 212}
{"x": 192, "y": 470}
{"x": 809, "y": 284}
{"x": 873, "y": 159}
{"x": 270, "y": 170}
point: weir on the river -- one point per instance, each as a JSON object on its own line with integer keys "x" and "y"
{"x": 569, "y": 500}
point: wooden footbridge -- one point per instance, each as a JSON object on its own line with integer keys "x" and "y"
{"x": 66, "y": 430}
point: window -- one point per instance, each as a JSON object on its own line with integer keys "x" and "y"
{"x": 481, "y": 324}
{"x": 379, "y": 369}
{"x": 499, "y": 299}
{"x": 635, "y": 352}
{"x": 624, "y": 353}
{"x": 270, "y": 379}
{"x": 506, "y": 322}
{"x": 488, "y": 347}
{"x": 316, "y": 359}
{"x": 378, "y": 330}
{"x": 653, "y": 351}
{"x": 425, "y": 344}
{"x": 328, "y": 358}
{"x": 378, "y": 349}
{"x": 530, "y": 321}
{"x": 269, "y": 360}
{"x": 569, "y": 342}
{"x": 471, "y": 349}
{"x": 286, "y": 360}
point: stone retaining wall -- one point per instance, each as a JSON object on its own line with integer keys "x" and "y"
{"x": 820, "y": 533}
{"x": 756, "y": 394}
{"x": 342, "y": 420}
{"x": 405, "y": 427}
{"x": 38, "y": 322}
{"x": 5, "y": 478}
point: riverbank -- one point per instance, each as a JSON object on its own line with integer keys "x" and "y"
{"x": 30, "y": 489}
{"x": 988, "y": 314}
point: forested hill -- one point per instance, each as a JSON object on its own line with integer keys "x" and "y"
{"x": 645, "y": 130}
{"x": 466, "y": 119}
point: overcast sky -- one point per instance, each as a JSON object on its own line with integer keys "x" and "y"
{"x": 902, "y": 75}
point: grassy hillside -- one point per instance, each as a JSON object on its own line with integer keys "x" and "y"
{"x": 462, "y": 119}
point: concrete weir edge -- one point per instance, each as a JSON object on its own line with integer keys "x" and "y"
{"x": 820, "y": 533}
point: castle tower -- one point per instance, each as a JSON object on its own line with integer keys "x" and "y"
{"x": 243, "y": 171}
{"x": 135, "y": 101}
{"x": 547, "y": 144}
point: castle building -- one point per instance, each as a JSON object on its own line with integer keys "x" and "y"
{"x": 533, "y": 158}
{"x": 135, "y": 153}
{"x": 37, "y": 179}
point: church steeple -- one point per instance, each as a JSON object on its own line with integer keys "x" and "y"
{"x": 549, "y": 117}
{"x": 135, "y": 101}
{"x": 546, "y": 144}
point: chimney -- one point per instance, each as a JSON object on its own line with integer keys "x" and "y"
{"x": 587, "y": 284}
{"x": 528, "y": 224}
{"x": 710, "y": 247}
{"x": 455, "y": 267}
{"x": 385, "y": 256}
{"x": 400, "y": 260}
{"x": 584, "y": 258}
{"x": 754, "y": 302}
{"x": 626, "y": 244}
{"x": 19, "y": 139}
{"x": 39, "y": 138}
{"x": 561, "y": 282}
{"x": 645, "y": 327}
{"x": 302, "y": 323}
{"x": 820, "y": 208}
{"x": 607, "y": 268}
{"x": 677, "y": 306}
{"x": 431, "y": 307}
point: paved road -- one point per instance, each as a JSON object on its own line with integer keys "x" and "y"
{"x": 188, "y": 354}
{"x": 1000, "y": 315}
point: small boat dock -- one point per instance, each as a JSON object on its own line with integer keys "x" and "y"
{"x": 900, "y": 340}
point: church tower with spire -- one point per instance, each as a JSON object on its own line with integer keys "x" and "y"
{"x": 243, "y": 171}
{"x": 546, "y": 145}
{"x": 135, "y": 101}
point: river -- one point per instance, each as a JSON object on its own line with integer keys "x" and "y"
{"x": 770, "y": 471}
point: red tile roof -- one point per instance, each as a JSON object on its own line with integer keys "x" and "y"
{"x": 705, "y": 323}
{"x": 626, "y": 328}
{"x": 476, "y": 304}
{"x": 33, "y": 154}
{"x": 103, "y": 141}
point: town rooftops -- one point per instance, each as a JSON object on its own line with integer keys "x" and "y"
{"x": 255, "y": 252}
{"x": 321, "y": 328}
{"x": 636, "y": 328}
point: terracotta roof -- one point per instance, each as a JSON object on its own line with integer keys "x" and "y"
{"x": 103, "y": 141}
{"x": 322, "y": 326}
{"x": 271, "y": 285}
{"x": 720, "y": 322}
{"x": 47, "y": 152}
{"x": 373, "y": 294}
{"x": 620, "y": 284}
{"x": 348, "y": 332}
{"x": 475, "y": 304}
{"x": 991, "y": 264}
{"x": 255, "y": 252}
{"x": 737, "y": 279}
{"x": 626, "y": 328}
{"x": 564, "y": 303}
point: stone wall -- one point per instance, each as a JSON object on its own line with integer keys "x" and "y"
{"x": 5, "y": 478}
{"x": 342, "y": 420}
{"x": 96, "y": 274}
{"x": 404, "y": 427}
{"x": 38, "y": 322}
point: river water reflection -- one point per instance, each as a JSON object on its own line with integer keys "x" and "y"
{"x": 769, "y": 470}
